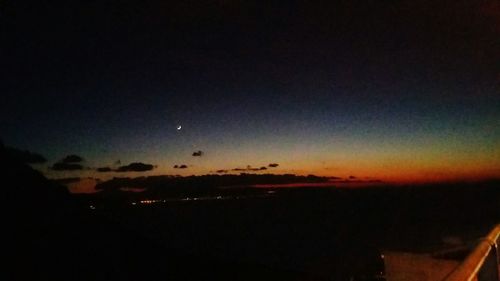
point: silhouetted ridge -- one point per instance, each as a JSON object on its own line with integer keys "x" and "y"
{"x": 24, "y": 156}
{"x": 48, "y": 237}
{"x": 25, "y": 185}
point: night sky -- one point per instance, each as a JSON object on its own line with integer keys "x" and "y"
{"x": 401, "y": 91}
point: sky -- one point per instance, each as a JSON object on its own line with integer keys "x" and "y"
{"x": 401, "y": 91}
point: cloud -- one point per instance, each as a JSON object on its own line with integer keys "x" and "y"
{"x": 104, "y": 169}
{"x": 198, "y": 153}
{"x": 273, "y": 165}
{"x": 65, "y": 181}
{"x": 180, "y": 166}
{"x": 72, "y": 159}
{"x": 173, "y": 186}
{"x": 352, "y": 177}
{"x": 222, "y": 171}
{"x": 68, "y": 163}
{"x": 25, "y": 156}
{"x": 60, "y": 166}
{"x": 249, "y": 169}
{"x": 135, "y": 167}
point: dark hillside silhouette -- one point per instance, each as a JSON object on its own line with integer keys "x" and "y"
{"x": 24, "y": 156}
{"x": 51, "y": 237}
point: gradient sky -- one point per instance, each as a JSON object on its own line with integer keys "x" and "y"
{"x": 405, "y": 91}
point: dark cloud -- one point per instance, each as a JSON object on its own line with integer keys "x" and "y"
{"x": 198, "y": 153}
{"x": 72, "y": 159}
{"x": 180, "y": 166}
{"x": 65, "y": 181}
{"x": 60, "y": 166}
{"x": 252, "y": 169}
{"x": 104, "y": 169}
{"x": 273, "y": 165}
{"x": 354, "y": 180}
{"x": 68, "y": 163}
{"x": 222, "y": 171}
{"x": 175, "y": 185}
{"x": 25, "y": 156}
{"x": 135, "y": 167}
{"x": 118, "y": 162}
{"x": 249, "y": 169}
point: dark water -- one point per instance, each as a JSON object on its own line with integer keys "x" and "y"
{"x": 298, "y": 228}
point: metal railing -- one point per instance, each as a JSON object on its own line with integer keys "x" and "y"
{"x": 482, "y": 264}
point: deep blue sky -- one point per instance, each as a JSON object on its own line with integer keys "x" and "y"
{"x": 342, "y": 88}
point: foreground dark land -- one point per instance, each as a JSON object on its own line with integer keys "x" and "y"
{"x": 308, "y": 229}
{"x": 286, "y": 234}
